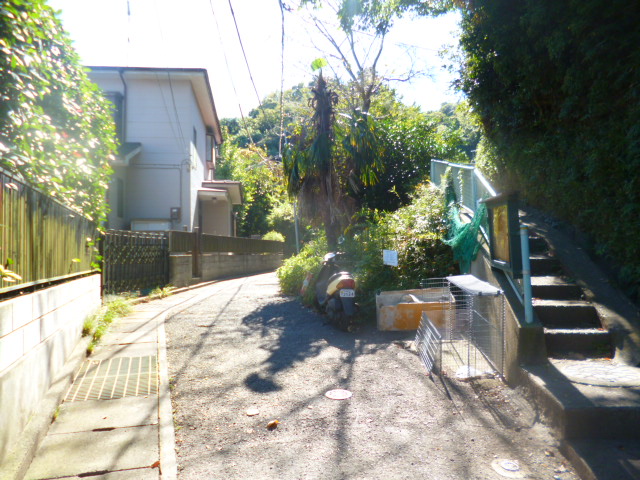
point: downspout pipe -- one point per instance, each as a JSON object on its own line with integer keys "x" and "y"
{"x": 124, "y": 105}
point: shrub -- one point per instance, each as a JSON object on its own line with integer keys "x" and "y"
{"x": 295, "y": 269}
{"x": 415, "y": 232}
{"x": 274, "y": 236}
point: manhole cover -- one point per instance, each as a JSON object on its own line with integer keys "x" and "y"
{"x": 338, "y": 394}
{"x": 508, "y": 468}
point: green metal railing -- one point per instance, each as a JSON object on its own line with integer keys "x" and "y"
{"x": 468, "y": 183}
{"x": 41, "y": 240}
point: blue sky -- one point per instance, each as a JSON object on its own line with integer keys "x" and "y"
{"x": 195, "y": 33}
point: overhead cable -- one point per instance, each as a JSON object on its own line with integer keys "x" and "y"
{"x": 226, "y": 61}
{"x": 246, "y": 61}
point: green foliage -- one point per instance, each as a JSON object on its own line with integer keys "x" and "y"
{"x": 556, "y": 85}
{"x": 295, "y": 269}
{"x": 262, "y": 126}
{"x": 310, "y": 163}
{"x": 273, "y": 236}
{"x": 56, "y": 129}
{"x": 262, "y": 186}
{"x": 415, "y": 231}
{"x": 98, "y": 324}
{"x": 159, "y": 293}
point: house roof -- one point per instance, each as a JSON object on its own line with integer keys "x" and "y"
{"x": 199, "y": 80}
{"x": 233, "y": 188}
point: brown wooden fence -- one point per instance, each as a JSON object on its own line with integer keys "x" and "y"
{"x": 182, "y": 242}
{"x": 40, "y": 239}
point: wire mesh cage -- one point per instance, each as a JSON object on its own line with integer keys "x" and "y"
{"x": 466, "y": 337}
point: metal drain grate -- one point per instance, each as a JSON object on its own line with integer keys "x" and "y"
{"x": 115, "y": 378}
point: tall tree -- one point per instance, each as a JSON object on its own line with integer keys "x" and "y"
{"x": 359, "y": 44}
{"x": 309, "y": 163}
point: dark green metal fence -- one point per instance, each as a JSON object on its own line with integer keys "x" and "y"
{"x": 41, "y": 240}
{"x": 134, "y": 261}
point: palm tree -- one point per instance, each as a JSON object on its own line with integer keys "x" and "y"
{"x": 309, "y": 164}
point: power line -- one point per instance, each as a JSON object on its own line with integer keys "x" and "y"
{"x": 280, "y": 139}
{"x": 246, "y": 61}
{"x": 233, "y": 85}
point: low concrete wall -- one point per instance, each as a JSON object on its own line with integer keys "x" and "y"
{"x": 220, "y": 265}
{"x": 38, "y": 332}
{"x": 524, "y": 343}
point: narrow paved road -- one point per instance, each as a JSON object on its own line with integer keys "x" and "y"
{"x": 247, "y": 347}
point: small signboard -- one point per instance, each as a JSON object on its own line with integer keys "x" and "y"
{"x": 504, "y": 234}
{"x": 390, "y": 257}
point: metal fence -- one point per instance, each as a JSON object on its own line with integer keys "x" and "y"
{"x": 41, "y": 240}
{"x": 134, "y": 261}
{"x": 467, "y": 338}
{"x": 468, "y": 183}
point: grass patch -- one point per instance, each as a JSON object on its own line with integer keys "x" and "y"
{"x": 161, "y": 292}
{"x": 98, "y": 324}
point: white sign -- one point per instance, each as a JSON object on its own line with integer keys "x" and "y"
{"x": 390, "y": 257}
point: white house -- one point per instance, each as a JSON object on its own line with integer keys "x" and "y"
{"x": 169, "y": 135}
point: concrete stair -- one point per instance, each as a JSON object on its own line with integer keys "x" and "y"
{"x": 585, "y": 392}
{"x": 554, "y": 288}
{"x": 572, "y": 326}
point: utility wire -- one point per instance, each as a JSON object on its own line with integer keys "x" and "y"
{"x": 233, "y": 84}
{"x": 246, "y": 61}
{"x": 280, "y": 140}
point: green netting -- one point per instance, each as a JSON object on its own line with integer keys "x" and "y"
{"x": 463, "y": 237}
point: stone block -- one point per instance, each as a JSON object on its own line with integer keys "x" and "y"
{"x": 11, "y": 348}
{"x": 22, "y": 310}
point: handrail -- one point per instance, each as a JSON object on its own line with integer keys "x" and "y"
{"x": 469, "y": 184}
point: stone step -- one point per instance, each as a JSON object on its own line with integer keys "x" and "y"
{"x": 578, "y": 342}
{"x": 538, "y": 244}
{"x": 554, "y": 288}
{"x": 566, "y": 313}
{"x": 594, "y": 398}
{"x": 543, "y": 265}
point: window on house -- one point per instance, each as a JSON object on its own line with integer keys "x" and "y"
{"x": 195, "y": 137}
{"x": 117, "y": 112}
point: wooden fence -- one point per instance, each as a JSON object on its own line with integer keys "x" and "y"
{"x": 182, "y": 242}
{"x": 41, "y": 240}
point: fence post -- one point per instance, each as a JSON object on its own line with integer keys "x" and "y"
{"x": 195, "y": 253}
{"x": 526, "y": 274}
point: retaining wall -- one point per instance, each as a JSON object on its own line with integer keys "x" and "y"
{"x": 220, "y": 265}
{"x": 38, "y": 332}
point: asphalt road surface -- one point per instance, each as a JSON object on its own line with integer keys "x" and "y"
{"x": 248, "y": 355}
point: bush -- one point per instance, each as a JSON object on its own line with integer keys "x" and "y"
{"x": 415, "y": 232}
{"x": 273, "y": 236}
{"x": 295, "y": 269}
